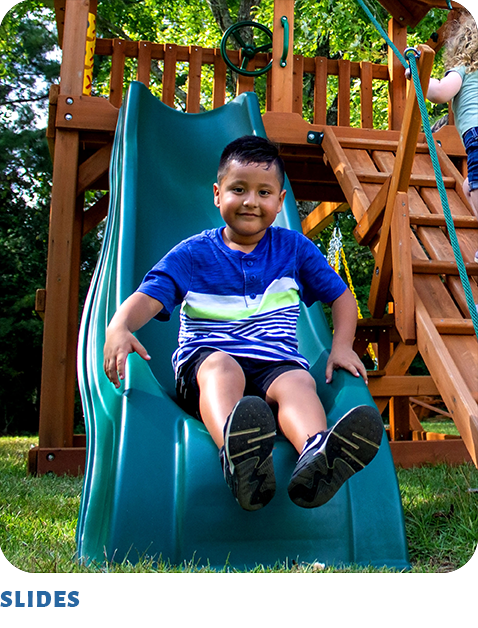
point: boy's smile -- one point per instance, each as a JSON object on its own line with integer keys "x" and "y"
{"x": 249, "y": 198}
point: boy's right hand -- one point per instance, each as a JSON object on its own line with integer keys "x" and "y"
{"x": 120, "y": 342}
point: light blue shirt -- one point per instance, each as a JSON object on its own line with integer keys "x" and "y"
{"x": 465, "y": 103}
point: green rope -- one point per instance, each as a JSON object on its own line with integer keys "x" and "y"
{"x": 410, "y": 54}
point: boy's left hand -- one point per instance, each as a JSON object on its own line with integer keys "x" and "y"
{"x": 345, "y": 358}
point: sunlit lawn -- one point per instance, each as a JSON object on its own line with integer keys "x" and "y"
{"x": 38, "y": 519}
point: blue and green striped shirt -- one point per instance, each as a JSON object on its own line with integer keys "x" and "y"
{"x": 245, "y": 304}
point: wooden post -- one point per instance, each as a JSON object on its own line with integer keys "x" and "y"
{"x": 61, "y": 309}
{"x": 403, "y": 294}
{"x": 398, "y": 83}
{"x": 282, "y": 77}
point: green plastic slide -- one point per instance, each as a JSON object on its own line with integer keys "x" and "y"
{"x": 153, "y": 482}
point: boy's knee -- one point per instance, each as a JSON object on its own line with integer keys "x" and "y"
{"x": 220, "y": 363}
{"x": 296, "y": 381}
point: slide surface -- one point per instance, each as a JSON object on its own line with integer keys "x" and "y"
{"x": 153, "y": 482}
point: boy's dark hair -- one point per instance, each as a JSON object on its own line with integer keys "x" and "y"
{"x": 251, "y": 149}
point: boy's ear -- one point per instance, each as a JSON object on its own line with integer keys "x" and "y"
{"x": 281, "y": 200}
{"x": 216, "y": 194}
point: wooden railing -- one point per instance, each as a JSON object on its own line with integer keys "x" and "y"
{"x": 208, "y": 85}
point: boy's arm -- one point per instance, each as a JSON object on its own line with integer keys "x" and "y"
{"x": 135, "y": 312}
{"x": 342, "y": 355}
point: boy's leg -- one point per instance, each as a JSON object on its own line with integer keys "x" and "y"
{"x": 328, "y": 457}
{"x": 242, "y": 427}
{"x": 221, "y": 384}
{"x": 300, "y": 413}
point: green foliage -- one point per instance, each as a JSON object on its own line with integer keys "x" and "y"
{"x": 25, "y": 181}
{"x": 29, "y": 62}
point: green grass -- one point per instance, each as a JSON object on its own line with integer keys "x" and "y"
{"x": 38, "y": 520}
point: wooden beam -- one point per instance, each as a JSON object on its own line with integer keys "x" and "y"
{"x": 404, "y": 309}
{"x": 282, "y": 77}
{"x": 408, "y": 454}
{"x": 416, "y": 180}
{"x": 93, "y": 168}
{"x": 345, "y": 174}
{"x": 366, "y": 95}
{"x": 453, "y": 389}
{"x": 143, "y": 72}
{"x": 62, "y": 285}
{"x": 454, "y": 326}
{"x": 40, "y": 302}
{"x": 85, "y": 113}
{"x": 399, "y": 416}
{"x": 397, "y": 31}
{"x": 60, "y": 330}
{"x": 438, "y": 267}
{"x": 370, "y": 223}
{"x": 193, "y": 101}
{"x": 438, "y": 220}
{"x": 74, "y": 46}
{"x": 320, "y": 217}
{"x": 402, "y": 385}
{"x": 398, "y": 364}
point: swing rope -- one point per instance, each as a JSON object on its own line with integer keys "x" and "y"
{"x": 410, "y": 62}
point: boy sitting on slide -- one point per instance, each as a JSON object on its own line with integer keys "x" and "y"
{"x": 237, "y": 367}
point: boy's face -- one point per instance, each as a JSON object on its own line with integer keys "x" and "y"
{"x": 249, "y": 199}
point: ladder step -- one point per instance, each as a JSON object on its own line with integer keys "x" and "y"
{"x": 460, "y": 326}
{"x": 368, "y": 143}
{"x": 437, "y": 267}
{"x": 438, "y": 220}
{"x": 419, "y": 180}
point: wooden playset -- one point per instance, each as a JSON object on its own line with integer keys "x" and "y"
{"x": 385, "y": 177}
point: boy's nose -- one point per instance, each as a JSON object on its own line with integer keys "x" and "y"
{"x": 251, "y": 200}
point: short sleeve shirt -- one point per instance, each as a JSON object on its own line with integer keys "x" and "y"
{"x": 465, "y": 103}
{"x": 246, "y": 304}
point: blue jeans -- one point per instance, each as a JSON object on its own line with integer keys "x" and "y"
{"x": 470, "y": 140}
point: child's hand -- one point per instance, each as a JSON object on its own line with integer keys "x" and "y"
{"x": 120, "y": 342}
{"x": 344, "y": 358}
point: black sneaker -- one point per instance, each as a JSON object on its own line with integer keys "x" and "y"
{"x": 330, "y": 458}
{"x": 247, "y": 453}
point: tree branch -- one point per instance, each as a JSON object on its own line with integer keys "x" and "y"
{"x": 22, "y": 100}
{"x": 220, "y": 12}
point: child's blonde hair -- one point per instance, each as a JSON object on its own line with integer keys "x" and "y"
{"x": 462, "y": 43}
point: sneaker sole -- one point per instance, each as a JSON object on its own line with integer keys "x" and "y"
{"x": 248, "y": 444}
{"x": 351, "y": 445}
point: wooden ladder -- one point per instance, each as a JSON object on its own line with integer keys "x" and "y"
{"x": 388, "y": 180}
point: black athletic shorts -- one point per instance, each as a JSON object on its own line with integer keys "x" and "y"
{"x": 259, "y": 376}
